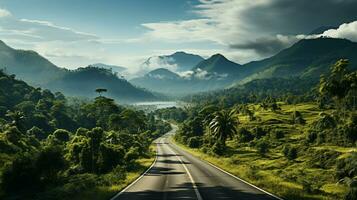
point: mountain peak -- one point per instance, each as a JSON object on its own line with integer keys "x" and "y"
{"x": 219, "y": 64}
{"x": 162, "y": 73}
{"x": 218, "y": 56}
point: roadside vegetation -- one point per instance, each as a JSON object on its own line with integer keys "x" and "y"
{"x": 298, "y": 145}
{"x": 54, "y": 148}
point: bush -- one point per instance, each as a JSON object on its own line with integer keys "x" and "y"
{"x": 262, "y": 147}
{"x": 49, "y": 162}
{"x": 297, "y": 118}
{"x": 259, "y": 132}
{"x": 194, "y": 142}
{"x": 218, "y": 148}
{"x": 13, "y": 135}
{"x": 290, "y": 152}
{"x": 37, "y": 133}
{"x": 21, "y": 174}
{"x": 62, "y": 135}
{"x": 277, "y": 134}
{"x": 110, "y": 157}
{"x": 346, "y": 167}
{"x": 244, "y": 135}
{"x": 351, "y": 195}
{"x": 323, "y": 158}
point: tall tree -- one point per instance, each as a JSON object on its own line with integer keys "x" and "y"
{"x": 100, "y": 91}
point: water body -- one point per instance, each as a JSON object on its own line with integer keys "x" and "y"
{"x": 154, "y": 105}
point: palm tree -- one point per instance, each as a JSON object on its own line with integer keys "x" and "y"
{"x": 223, "y": 125}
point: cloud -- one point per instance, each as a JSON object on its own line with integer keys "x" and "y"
{"x": 346, "y": 31}
{"x": 155, "y": 62}
{"x": 4, "y": 13}
{"x": 267, "y": 46}
{"x": 255, "y": 29}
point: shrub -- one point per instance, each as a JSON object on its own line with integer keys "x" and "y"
{"x": 297, "y": 118}
{"x": 62, "y": 135}
{"x": 262, "y": 147}
{"x": 49, "y": 162}
{"x": 218, "y": 148}
{"x": 194, "y": 142}
{"x": 37, "y": 133}
{"x": 346, "y": 167}
{"x": 244, "y": 135}
{"x": 13, "y": 135}
{"x": 21, "y": 174}
{"x": 290, "y": 152}
{"x": 323, "y": 158}
{"x": 111, "y": 156}
{"x": 259, "y": 132}
{"x": 277, "y": 134}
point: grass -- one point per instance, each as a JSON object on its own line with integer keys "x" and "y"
{"x": 272, "y": 171}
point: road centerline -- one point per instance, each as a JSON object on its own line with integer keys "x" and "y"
{"x": 197, "y": 192}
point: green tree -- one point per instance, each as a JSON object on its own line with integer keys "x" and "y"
{"x": 223, "y": 125}
{"x": 100, "y": 91}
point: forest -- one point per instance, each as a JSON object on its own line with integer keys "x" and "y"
{"x": 298, "y": 143}
{"x": 53, "y": 147}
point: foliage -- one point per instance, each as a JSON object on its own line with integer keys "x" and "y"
{"x": 48, "y": 144}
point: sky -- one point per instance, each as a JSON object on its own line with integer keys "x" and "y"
{"x": 76, "y": 33}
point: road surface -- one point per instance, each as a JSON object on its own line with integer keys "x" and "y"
{"x": 177, "y": 174}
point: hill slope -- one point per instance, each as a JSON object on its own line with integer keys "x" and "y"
{"x": 28, "y": 65}
{"x": 306, "y": 59}
{"x": 84, "y": 81}
{"x": 38, "y": 71}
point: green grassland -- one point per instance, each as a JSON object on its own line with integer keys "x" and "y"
{"x": 309, "y": 176}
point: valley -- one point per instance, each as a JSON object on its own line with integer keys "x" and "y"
{"x": 179, "y": 99}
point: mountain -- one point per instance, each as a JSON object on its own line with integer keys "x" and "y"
{"x": 84, "y": 81}
{"x": 38, "y": 71}
{"x": 218, "y": 64}
{"x": 163, "y": 73}
{"x": 307, "y": 59}
{"x": 114, "y": 68}
{"x": 180, "y": 61}
{"x": 28, "y": 65}
{"x": 216, "y": 72}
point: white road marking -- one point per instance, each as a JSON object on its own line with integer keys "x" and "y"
{"x": 234, "y": 176}
{"x": 199, "y": 197}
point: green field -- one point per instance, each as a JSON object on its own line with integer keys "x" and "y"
{"x": 309, "y": 176}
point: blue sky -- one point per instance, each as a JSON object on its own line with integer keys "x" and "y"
{"x": 75, "y": 33}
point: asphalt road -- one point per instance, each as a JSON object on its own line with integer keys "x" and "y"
{"x": 177, "y": 174}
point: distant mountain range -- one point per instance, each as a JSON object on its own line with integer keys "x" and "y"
{"x": 180, "y": 61}
{"x": 38, "y": 71}
{"x": 307, "y": 59}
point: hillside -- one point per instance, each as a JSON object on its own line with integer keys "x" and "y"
{"x": 28, "y": 65}
{"x": 81, "y": 82}
{"x": 305, "y": 59}
{"x": 218, "y": 64}
{"x": 38, "y": 71}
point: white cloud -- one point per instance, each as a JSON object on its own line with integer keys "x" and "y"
{"x": 346, "y": 31}
{"x": 4, "y": 13}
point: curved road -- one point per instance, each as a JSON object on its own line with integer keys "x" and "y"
{"x": 177, "y": 174}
